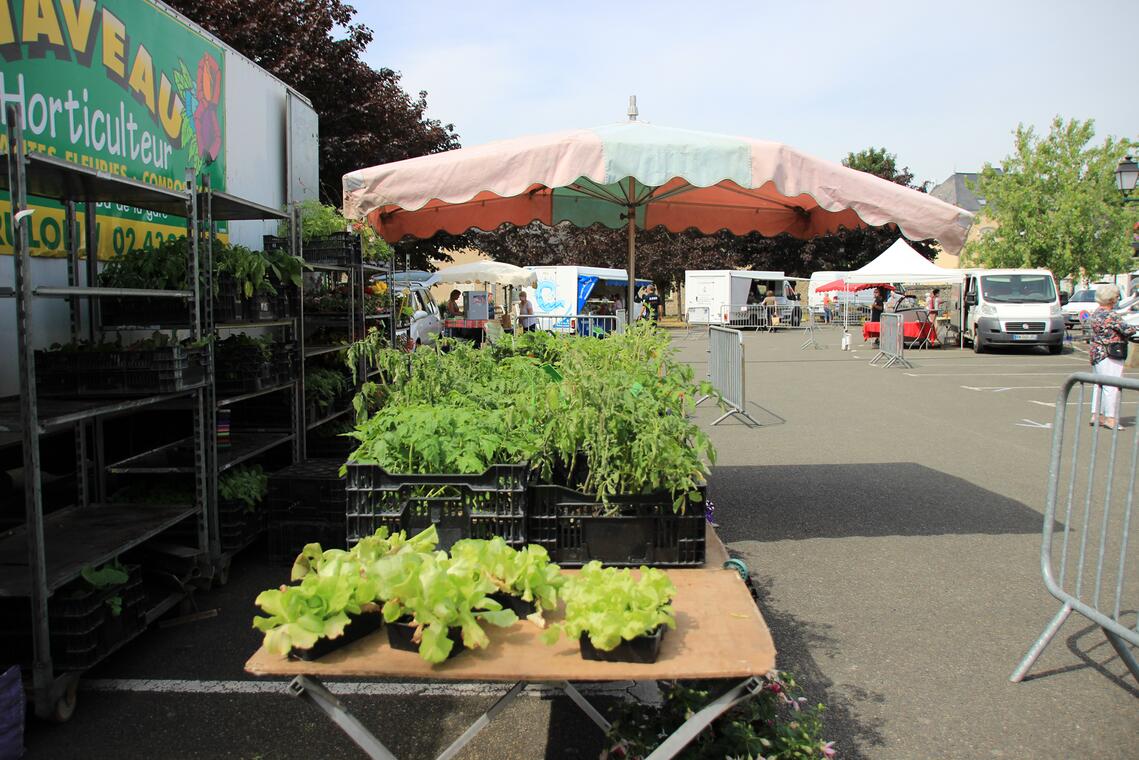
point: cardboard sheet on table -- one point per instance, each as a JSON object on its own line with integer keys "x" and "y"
{"x": 719, "y": 634}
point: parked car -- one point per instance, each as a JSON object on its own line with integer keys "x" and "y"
{"x": 424, "y": 323}
{"x": 1081, "y": 302}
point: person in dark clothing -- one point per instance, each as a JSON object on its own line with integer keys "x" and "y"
{"x": 652, "y": 302}
{"x": 879, "y": 305}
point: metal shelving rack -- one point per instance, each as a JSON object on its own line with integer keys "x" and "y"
{"x": 219, "y": 206}
{"x": 357, "y": 322}
{"x": 48, "y": 551}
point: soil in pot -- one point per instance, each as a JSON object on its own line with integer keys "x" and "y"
{"x": 522, "y": 608}
{"x": 358, "y": 627}
{"x": 644, "y": 648}
{"x": 402, "y": 631}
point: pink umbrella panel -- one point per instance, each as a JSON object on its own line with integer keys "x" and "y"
{"x": 851, "y": 287}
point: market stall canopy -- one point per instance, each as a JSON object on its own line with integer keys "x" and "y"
{"x": 485, "y": 271}
{"x": 901, "y": 263}
{"x": 675, "y": 178}
{"x": 851, "y": 287}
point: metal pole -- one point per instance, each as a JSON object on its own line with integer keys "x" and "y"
{"x": 29, "y": 415}
{"x": 631, "y": 216}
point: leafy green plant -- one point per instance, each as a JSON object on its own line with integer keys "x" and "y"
{"x": 318, "y": 607}
{"x": 319, "y": 220}
{"x": 438, "y": 593}
{"x": 246, "y": 484}
{"x": 777, "y": 723}
{"x": 526, "y": 573}
{"x": 620, "y": 405}
{"x": 611, "y": 605}
{"x": 108, "y": 576}
{"x": 368, "y": 549}
{"x": 323, "y": 386}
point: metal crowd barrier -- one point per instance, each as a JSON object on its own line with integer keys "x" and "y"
{"x": 726, "y": 371}
{"x": 593, "y": 325}
{"x": 756, "y": 316}
{"x": 849, "y": 315}
{"x": 891, "y": 342}
{"x": 1087, "y": 521}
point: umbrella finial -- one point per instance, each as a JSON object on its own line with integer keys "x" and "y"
{"x": 632, "y": 108}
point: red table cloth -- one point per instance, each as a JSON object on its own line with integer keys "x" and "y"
{"x": 911, "y": 331}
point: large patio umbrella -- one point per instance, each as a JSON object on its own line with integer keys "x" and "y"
{"x": 635, "y": 174}
{"x": 486, "y": 271}
{"x": 851, "y": 287}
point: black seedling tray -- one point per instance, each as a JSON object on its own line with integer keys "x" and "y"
{"x": 644, "y": 648}
{"x": 358, "y": 627}
{"x": 400, "y": 635}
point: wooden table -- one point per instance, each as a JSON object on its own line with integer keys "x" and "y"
{"x": 720, "y": 633}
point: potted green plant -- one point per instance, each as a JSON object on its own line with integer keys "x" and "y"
{"x": 616, "y": 616}
{"x": 329, "y": 608}
{"x": 436, "y": 605}
{"x": 525, "y": 580}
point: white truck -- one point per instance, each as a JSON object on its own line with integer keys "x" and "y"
{"x": 1012, "y": 307}
{"x": 712, "y": 295}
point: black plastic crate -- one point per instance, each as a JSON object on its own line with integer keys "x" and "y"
{"x": 238, "y": 525}
{"x": 638, "y": 530}
{"x": 143, "y": 312}
{"x": 83, "y": 625}
{"x": 262, "y": 307}
{"x": 229, "y": 306}
{"x": 339, "y": 248}
{"x": 460, "y": 506}
{"x": 308, "y": 490}
{"x": 121, "y": 373}
{"x": 288, "y": 537}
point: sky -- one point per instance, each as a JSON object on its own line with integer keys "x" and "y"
{"x": 942, "y": 85}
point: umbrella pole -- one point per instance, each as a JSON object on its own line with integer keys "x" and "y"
{"x": 631, "y": 263}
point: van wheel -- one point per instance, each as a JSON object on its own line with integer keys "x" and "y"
{"x": 1054, "y": 350}
{"x": 978, "y": 344}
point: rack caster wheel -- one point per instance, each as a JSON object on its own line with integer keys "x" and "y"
{"x": 65, "y": 706}
{"x": 739, "y": 566}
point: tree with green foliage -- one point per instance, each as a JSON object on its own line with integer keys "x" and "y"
{"x": 881, "y": 163}
{"x": 1055, "y": 204}
{"x": 366, "y": 117}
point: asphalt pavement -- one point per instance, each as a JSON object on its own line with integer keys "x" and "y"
{"x": 890, "y": 517}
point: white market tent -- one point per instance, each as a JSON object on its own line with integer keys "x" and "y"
{"x": 901, "y": 263}
{"x": 496, "y": 272}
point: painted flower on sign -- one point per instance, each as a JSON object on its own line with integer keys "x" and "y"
{"x": 201, "y": 97}
{"x": 206, "y": 124}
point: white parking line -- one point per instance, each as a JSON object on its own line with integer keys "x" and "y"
{"x": 1003, "y": 388}
{"x": 986, "y": 374}
{"x": 639, "y": 689}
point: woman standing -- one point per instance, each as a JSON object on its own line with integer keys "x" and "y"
{"x": 1107, "y": 350}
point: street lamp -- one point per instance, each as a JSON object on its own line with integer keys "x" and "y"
{"x": 1126, "y": 175}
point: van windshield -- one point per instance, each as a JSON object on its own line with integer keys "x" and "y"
{"x": 1018, "y": 288}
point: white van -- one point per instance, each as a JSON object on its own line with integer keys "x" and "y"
{"x": 424, "y": 323}
{"x": 1012, "y": 307}
{"x": 708, "y": 294}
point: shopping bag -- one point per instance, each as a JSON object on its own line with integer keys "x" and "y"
{"x": 775, "y": 320}
{"x": 1132, "y": 361}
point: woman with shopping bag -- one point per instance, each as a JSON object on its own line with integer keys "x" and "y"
{"x": 1106, "y": 351}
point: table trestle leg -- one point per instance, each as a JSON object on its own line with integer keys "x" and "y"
{"x": 313, "y": 692}
{"x": 482, "y": 721}
{"x": 692, "y": 727}
{"x": 584, "y": 704}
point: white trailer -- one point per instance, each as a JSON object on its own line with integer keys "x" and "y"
{"x": 709, "y": 292}
{"x": 564, "y": 291}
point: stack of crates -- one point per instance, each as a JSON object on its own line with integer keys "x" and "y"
{"x": 306, "y": 504}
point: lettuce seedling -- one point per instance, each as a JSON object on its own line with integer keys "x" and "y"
{"x": 438, "y": 593}
{"x": 526, "y": 573}
{"x": 610, "y": 605}
{"x": 318, "y": 607}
